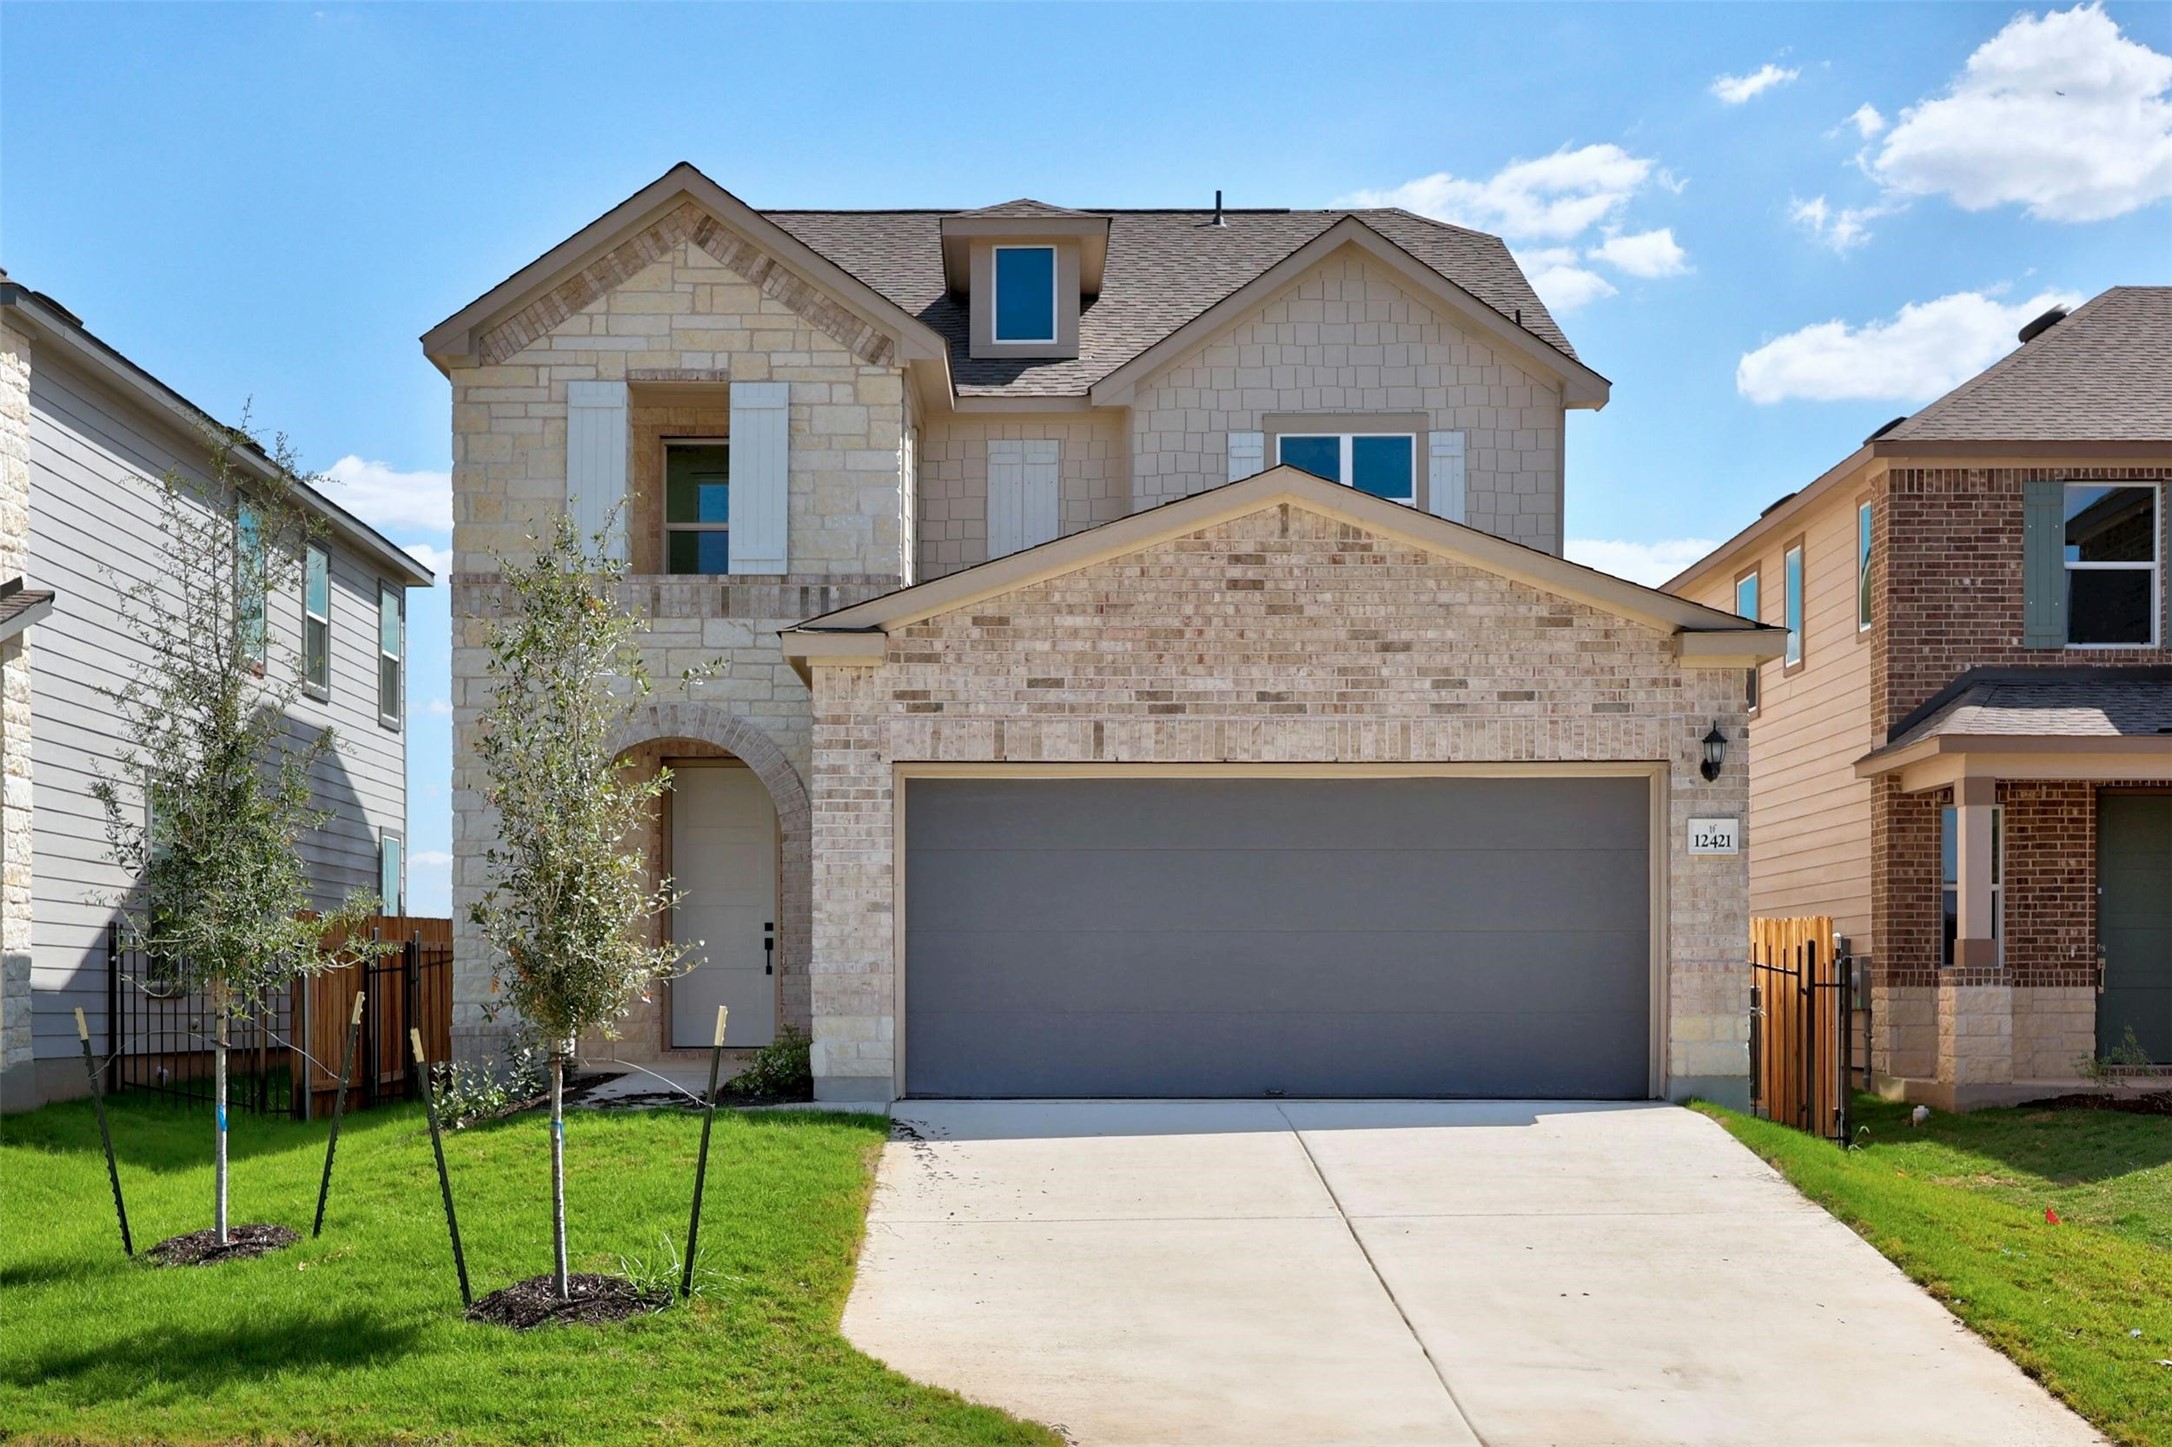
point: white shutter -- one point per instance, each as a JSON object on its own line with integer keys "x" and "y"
{"x": 1445, "y": 477}
{"x": 761, "y": 476}
{"x": 1025, "y": 493}
{"x": 596, "y": 448}
{"x": 1247, "y": 454}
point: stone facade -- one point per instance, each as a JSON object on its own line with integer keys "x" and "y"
{"x": 1347, "y": 338}
{"x": 17, "y": 1067}
{"x": 1283, "y": 636}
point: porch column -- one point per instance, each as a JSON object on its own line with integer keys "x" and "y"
{"x": 1975, "y": 944}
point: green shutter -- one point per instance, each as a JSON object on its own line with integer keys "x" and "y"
{"x": 2043, "y": 565}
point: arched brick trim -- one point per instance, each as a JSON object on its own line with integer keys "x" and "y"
{"x": 753, "y": 746}
{"x": 686, "y": 222}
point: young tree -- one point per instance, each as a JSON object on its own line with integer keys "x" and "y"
{"x": 567, "y": 887}
{"x": 212, "y": 792}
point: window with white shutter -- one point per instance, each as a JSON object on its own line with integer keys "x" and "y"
{"x": 1024, "y": 493}
{"x": 596, "y": 450}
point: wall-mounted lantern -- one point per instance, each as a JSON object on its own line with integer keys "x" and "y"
{"x": 1715, "y": 753}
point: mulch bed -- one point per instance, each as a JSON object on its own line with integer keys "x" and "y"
{"x": 2155, "y": 1102}
{"x": 594, "y": 1299}
{"x": 202, "y": 1248}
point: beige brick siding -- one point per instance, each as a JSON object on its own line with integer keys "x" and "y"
{"x": 1347, "y": 338}
{"x": 1094, "y": 459}
{"x": 1281, "y": 636}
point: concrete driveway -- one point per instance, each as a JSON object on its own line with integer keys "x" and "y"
{"x": 1261, "y": 1273}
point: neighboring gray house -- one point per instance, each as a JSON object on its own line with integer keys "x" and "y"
{"x": 85, "y": 435}
{"x": 1149, "y": 666}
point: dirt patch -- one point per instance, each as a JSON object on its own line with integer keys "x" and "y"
{"x": 2154, "y": 1102}
{"x": 202, "y": 1248}
{"x": 592, "y": 1300}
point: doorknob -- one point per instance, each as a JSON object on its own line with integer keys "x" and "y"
{"x": 769, "y": 947}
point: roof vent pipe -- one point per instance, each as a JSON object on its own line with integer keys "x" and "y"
{"x": 2042, "y": 325}
{"x": 1218, "y": 210}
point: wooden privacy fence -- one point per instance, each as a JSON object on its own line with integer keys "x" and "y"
{"x": 1803, "y": 994}
{"x": 409, "y": 987}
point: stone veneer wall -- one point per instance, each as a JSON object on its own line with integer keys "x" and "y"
{"x": 1094, "y": 464}
{"x": 1348, "y": 338}
{"x": 684, "y": 301}
{"x": 1281, "y": 636}
{"x": 16, "y": 1063}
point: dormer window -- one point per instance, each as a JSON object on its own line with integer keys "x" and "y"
{"x": 1025, "y": 294}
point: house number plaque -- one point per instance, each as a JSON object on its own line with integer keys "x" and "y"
{"x": 1715, "y": 836}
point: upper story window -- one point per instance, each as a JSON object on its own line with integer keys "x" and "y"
{"x": 391, "y": 649}
{"x": 697, "y": 507}
{"x": 1025, "y": 294}
{"x": 2112, "y": 540}
{"x": 251, "y": 582}
{"x": 1746, "y": 607}
{"x": 1384, "y": 464}
{"x": 1862, "y": 567}
{"x": 1791, "y": 584}
{"x": 317, "y": 621}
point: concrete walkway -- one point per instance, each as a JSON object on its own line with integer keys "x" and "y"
{"x": 1262, "y": 1273}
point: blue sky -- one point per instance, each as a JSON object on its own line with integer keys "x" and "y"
{"x": 1773, "y": 227}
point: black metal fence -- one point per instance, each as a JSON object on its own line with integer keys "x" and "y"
{"x": 407, "y": 987}
{"x": 1805, "y": 999}
{"x": 159, "y": 1038}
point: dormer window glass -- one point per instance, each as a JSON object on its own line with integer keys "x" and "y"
{"x": 1025, "y": 294}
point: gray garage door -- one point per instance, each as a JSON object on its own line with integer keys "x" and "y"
{"x": 1303, "y": 937}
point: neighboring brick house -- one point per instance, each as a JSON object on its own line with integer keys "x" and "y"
{"x": 86, "y": 437}
{"x": 1345, "y": 786}
{"x": 1965, "y": 755}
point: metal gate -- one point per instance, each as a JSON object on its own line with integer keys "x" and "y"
{"x": 1804, "y": 992}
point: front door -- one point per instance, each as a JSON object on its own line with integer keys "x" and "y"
{"x": 724, "y": 860}
{"x": 2134, "y": 878}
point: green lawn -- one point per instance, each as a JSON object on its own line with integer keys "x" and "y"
{"x": 358, "y": 1336}
{"x": 1959, "y": 1205}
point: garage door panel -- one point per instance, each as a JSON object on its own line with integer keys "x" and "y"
{"x": 1507, "y": 814}
{"x": 1201, "y": 890}
{"x": 1288, "y": 970}
{"x": 1321, "y": 937}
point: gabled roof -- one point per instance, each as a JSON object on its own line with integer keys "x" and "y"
{"x": 2102, "y": 375}
{"x": 1705, "y": 636}
{"x": 1164, "y": 269}
{"x": 50, "y": 322}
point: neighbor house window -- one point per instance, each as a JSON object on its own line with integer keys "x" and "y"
{"x": 1791, "y": 582}
{"x": 1025, "y": 293}
{"x": 251, "y": 580}
{"x": 1950, "y": 875}
{"x": 391, "y": 646}
{"x": 317, "y": 621}
{"x": 2112, "y": 565}
{"x": 1862, "y": 567}
{"x": 1746, "y": 607}
{"x": 391, "y": 874}
{"x": 697, "y": 508}
{"x": 1384, "y": 464}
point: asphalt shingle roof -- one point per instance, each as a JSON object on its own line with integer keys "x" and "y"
{"x": 2103, "y": 374}
{"x": 1164, "y": 268}
{"x": 2095, "y": 706}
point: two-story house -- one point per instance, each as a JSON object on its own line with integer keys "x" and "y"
{"x": 1148, "y": 663}
{"x": 86, "y": 437}
{"x": 1964, "y": 755}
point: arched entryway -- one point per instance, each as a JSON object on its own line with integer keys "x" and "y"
{"x": 659, "y": 732}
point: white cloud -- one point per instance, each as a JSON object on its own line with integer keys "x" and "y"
{"x": 1646, "y": 254}
{"x": 1843, "y": 228}
{"x": 1647, "y": 563}
{"x": 1553, "y": 198}
{"x": 2059, "y": 113}
{"x": 1926, "y": 349}
{"x": 429, "y": 883}
{"x": 438, "y": 708}
{"x": 1866, "y": 120}
{"x": 1558, "y": 279}
{"x": 437, "y": 560}
{"x": 430, "y": 859}
{"x": 385, "y": 497}
{"x": 1736, "y": 89}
